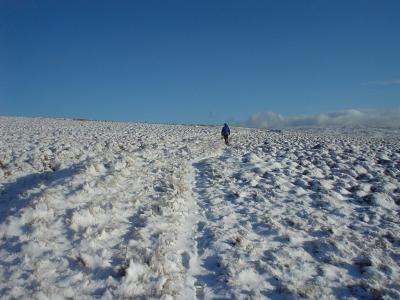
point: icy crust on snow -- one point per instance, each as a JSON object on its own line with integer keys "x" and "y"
{"x": 121, "y": 210}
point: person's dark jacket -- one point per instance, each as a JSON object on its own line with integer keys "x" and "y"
{"x": 225, "y": 130}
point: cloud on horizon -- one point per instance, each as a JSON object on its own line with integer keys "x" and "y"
{"x": 346, "y": 118}
{"x": 383, "y": 82}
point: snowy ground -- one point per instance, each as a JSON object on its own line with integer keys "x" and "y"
{"x": 116, "y": 210}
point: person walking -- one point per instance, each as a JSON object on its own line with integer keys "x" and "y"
{"x": 225, "y": 132}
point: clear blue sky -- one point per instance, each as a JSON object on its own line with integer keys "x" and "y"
{"x": 197, "y": 61}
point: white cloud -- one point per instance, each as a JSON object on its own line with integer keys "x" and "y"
{"x": 348, "y": 118}
{"x": 383, "y": 82}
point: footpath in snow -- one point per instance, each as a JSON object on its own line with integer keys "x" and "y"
{"x": 117, "y": 210}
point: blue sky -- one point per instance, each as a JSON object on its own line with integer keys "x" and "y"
{"x": 197, "y": 61}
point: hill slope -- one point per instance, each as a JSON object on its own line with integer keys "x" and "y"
{"x": 108, "y": 210}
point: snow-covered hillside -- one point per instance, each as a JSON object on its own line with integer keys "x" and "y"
{"x": 117, "y": 210}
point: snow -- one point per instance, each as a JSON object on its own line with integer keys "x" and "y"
{"x": 108, "y": 210}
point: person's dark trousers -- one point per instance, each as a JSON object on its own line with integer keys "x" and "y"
{"x": 226, "y": 139}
